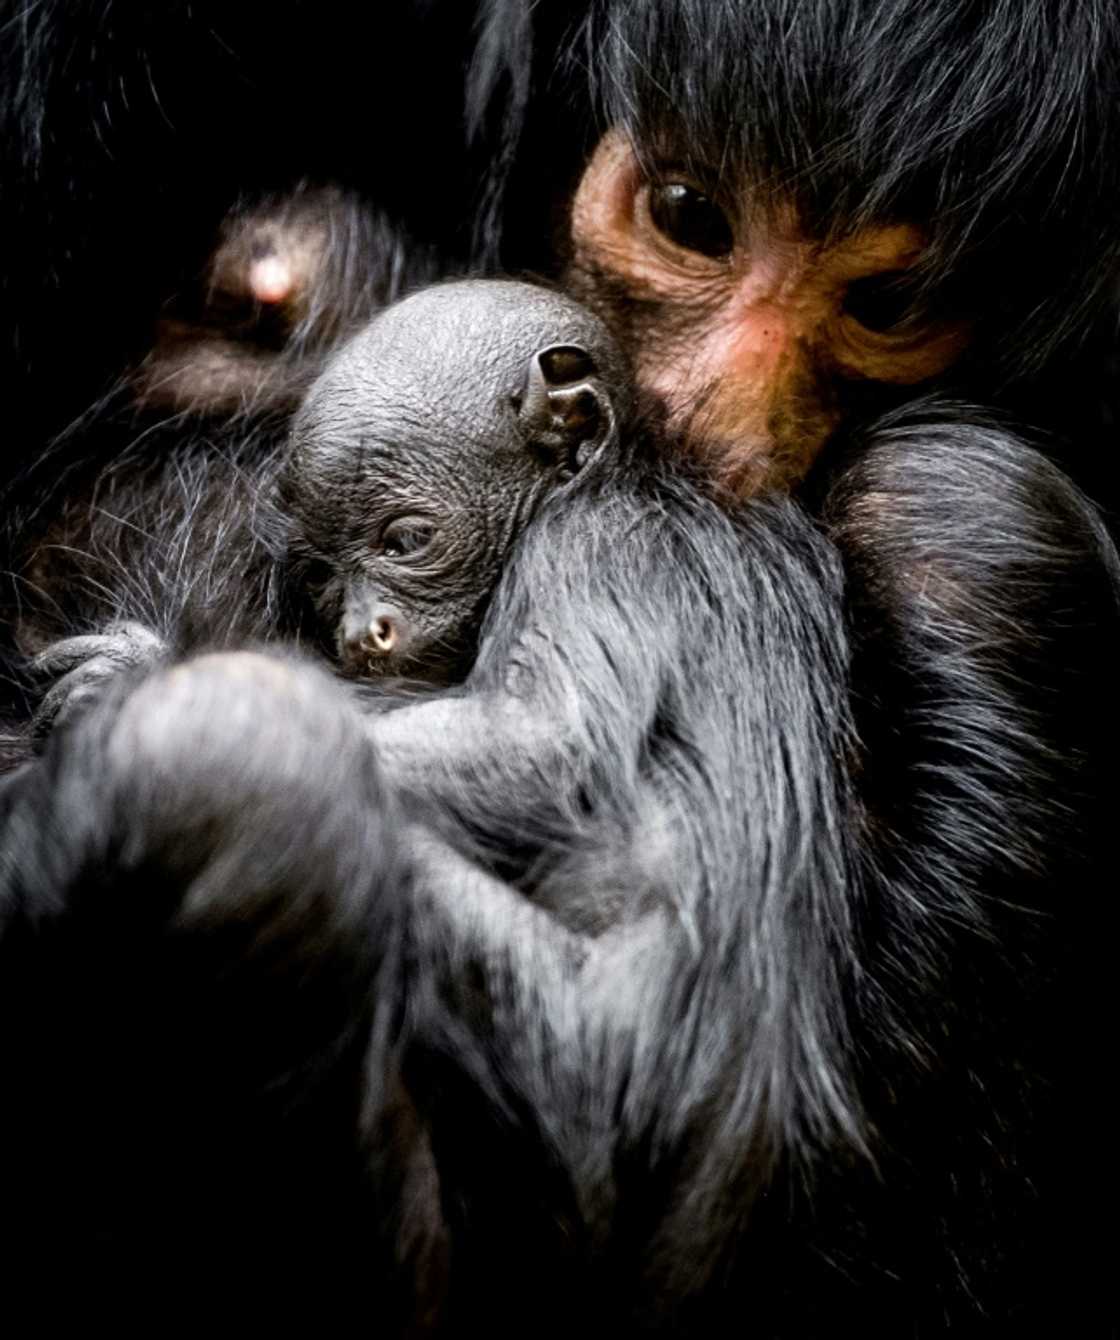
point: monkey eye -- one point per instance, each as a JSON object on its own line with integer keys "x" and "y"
{"x": 881, "y": 302}
{"x": 405, "y": 536}
{"x": 315, "y": 573}
{"x": 690, "y": 219}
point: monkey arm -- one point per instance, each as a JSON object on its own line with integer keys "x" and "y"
{"x": 983, "y": 593}
{"x": 200, "y": 905}
{"x": 244, "y": 907}
{"x": 463, "y": 744}
{"x": 831, "y": 1000}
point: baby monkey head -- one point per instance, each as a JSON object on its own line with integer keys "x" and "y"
{"x": 422, "y": 452}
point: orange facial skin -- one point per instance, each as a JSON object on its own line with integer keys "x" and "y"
{"x": 749, "y": 351}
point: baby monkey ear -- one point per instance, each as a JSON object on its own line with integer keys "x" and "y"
{"x": 564, "y": 410}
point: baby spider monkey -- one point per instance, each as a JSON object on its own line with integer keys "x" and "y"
{"x": 417, "y": 458}
{"x": 422, "y": 453}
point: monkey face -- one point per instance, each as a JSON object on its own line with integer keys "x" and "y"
{"x": 397, "y": 540}
{"x": 421, "y": 454}
{"x": 404, "y": 597}
{"x": 750, "y": 333}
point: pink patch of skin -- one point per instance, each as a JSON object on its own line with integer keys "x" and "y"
{"x": 271, "y": 279}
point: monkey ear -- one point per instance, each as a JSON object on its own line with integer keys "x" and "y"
{"x": 564, "y": 410}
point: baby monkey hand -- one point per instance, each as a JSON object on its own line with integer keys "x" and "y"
{"x": 83, "y": 667}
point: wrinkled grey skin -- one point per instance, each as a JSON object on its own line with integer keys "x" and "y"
{"x": 417, "y": 458}
{"x": 423, "y": 451}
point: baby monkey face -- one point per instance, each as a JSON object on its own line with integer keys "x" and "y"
{"x": 424, "y": 451}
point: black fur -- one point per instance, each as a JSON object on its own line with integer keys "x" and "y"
{"x": 736, "y": 960}
{"x": 418, "y": 456}
{"x": 154, "y": 126}
{"x": 759, "y": 983}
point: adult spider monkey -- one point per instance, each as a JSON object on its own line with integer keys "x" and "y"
{"x": 938, "y": 791}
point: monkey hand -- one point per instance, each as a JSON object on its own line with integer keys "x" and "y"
{"x": 83, "y": 667}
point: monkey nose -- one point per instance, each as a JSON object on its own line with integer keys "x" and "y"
{"x": 563, "y": 409}
{"x": 381, "y": 636}
{"x": 371, "y": 640}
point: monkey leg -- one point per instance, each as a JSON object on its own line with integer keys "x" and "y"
{"x": 199, "y": 959}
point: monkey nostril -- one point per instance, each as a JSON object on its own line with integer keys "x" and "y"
{"x": 381, "y": 637}
{"x": 563, "y": 363}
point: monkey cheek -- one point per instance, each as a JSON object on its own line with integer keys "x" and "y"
{"x": 755, "y": 411}
{"x": 771, "y": 445}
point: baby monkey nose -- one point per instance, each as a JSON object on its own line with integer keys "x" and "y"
{"x": 381, "y": 636}
{"x": 373, "y": 638}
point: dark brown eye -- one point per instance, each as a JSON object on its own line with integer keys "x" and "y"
{"x": 315, "y": 573}
{"x": 690, "y": 219}
{"x": 881, "y": 302}
{"x": 405, "y": 537}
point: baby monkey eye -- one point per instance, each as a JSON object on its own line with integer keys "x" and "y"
{"x": 405, "y": 537}
{"x": 315, "y": 573}
{"x": 881, "y": 302}
{"x": 690, "y": 219}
